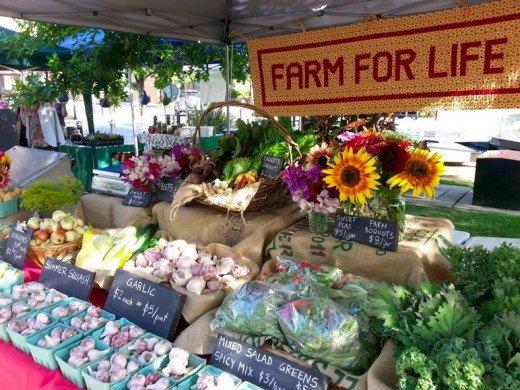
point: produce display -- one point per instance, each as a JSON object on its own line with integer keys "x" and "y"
{"x": 17, "y": 309}
{"x": 31, "y": 325}
{"x": 69, "y": 309}
{"x": 23, "y": 291}
{"x": 57, "y": 336}
{"x": 110, "y": 249}
{"x": 92, "y": 319}
{"x": 116, "y": 335}
{"x": 43, "y": 299}
{"x": 114, "y": 369}
{"x": 208, "y": 381}
{"x": 185, "y": 266}
{"x": 153, "y": 380}
{"x": 60, "y": 229}
{"x": 9, "y": 277}
{"x": 84, "y": 353}
{"x": 147, "y": 349}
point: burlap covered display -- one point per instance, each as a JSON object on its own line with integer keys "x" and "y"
{"x": 105, "y": 212}
{"x": 197, "y": 305}
{"x": 248, "y": 233}
{"x": 417, "y": 259}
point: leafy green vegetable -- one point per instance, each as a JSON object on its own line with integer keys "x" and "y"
{"x": 49, "y": 195}
{"x": 235, "y": 167}
{"x": 415, "y": 370}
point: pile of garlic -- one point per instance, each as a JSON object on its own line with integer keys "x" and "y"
{"x": 151, "y": 381}
{"x": 69, "y": 309}
{"x": 199, "y": 272}
{"x": 147, "y": 349}
{"x": 206, "y": 381}
{"x": 116, "y": 335}
{"x": 17, "y": 309}
{"x": 114, "y": 369}
{"x": 92, "y": 319}
{"x": 31, "y": 325}
{"x": 84, "y": 353}
{"x": 57, "y": 336}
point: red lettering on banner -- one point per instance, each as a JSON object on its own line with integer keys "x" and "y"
{"x": 312, "y": 68}
{"x": 453, "y": 59}
{"x": 465, "y": 56}
{"x": 490, "y": 55}
{"x": 358, "y": 66}
{"x": 294, "y": 69}
{"x": 404, "y": 59}
{"x": 432, "y": 73}
{"x": 275, "y": 75}
{"x": 337, "y": 67}
{"x": 375, "y": 71}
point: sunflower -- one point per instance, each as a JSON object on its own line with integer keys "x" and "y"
{"x": 353, "y": 175}
{"x": 421, "y": 173}
{"x": 4, "y": 178}
{"x": 319, "y": 155}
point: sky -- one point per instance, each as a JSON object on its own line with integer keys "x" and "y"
{"x": 8, "y": 23}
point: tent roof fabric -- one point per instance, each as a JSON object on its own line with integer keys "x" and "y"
{"x": 216, "y": 20}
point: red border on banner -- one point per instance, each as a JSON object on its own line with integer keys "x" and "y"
{"x": 391, "y": 34}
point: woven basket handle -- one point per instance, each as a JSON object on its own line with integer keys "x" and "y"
{"x": 260, "y": 112}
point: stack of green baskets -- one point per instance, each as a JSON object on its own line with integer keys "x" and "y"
{"x": 20, "y": 341}
{"x": 192, "y": 380}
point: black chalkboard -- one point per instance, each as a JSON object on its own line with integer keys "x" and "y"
{"x": 66, "y": 278}
{"x": 16, "y": 247}
{"x": 382, "y": 234}
{"x": 262, "y": 368}
{"x": 167, "y": 188}
{"x": 137, "y": 198}
{"x": 271, "y": 167}
{"x": 151, "y": 306}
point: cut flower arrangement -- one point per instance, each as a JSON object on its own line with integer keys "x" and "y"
{"x": 145, "y": 172}
{"x": 364, "y": 174}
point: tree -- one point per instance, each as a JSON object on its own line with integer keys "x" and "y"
{"x": 99, "y": 59}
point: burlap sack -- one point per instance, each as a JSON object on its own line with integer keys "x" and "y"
{"x": 105, "y": 211}
{"x": 382, "y": 375}
{"x": 248, "y": 233}
{"x": 197, "y": 305}
{"x": 417, "y": 258}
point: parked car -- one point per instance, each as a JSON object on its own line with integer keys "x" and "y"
{"x": 187, "y": 100}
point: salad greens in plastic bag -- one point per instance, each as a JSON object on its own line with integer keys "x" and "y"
{"x": 321, "y": 329}
{"x": 252, "y": 310}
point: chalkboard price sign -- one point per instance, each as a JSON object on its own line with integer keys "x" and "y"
{"x": 137, "y": 198}
{"x": 262, "y": 368}
{"x": 66, "y": 278}
{"x": 382, "y": 234}
{"x": 271, "y": 167}
{"x": 16, "y": 246}
{"x": 167, "y": 188}
{"x": 151, "y": 306}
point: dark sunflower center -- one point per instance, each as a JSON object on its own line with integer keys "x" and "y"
{"x": 351, "y": 176}
{"x": 322, "y": 161}
{"x": 419, "y": 169}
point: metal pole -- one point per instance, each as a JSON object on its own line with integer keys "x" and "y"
{"x": 228, "y": 92}
{"x": 131, "y": 97}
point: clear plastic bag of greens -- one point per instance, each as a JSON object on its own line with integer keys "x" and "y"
{"x": 287, "y": 270}
{"x": 323, "y": 330}
{"x": 252, "y": 309}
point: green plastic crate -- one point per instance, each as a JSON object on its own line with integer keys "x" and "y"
{"x": 44, "y": 356}
{"x": 92, "y": 383}
{"x": 20, "y": 341}
{"x": 72, "y": 373}
{"x": 248, "y": 386}
{"x": 9, "y": 207}
{"x": 154, "y": 363}
{"x": 104, "y": 314}
{"x": 195, "y": 362}
{"x": 145, "y": 371}
{"x": 192, "y": 380}
{"x": 3, "y": 327}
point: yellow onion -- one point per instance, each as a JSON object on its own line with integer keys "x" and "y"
{"x": 58, "y": 237}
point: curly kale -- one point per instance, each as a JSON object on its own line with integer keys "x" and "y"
{"x": 415, "y": 370}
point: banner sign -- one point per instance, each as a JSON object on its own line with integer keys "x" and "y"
{"x": 465, "y": 58}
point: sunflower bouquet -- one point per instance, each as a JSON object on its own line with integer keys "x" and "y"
{"x": 5, "y": 167}
{"x": 364, "y": 173}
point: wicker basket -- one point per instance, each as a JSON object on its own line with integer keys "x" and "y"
{"x": 269, "y": 190}
{"x": 38, "y": 254}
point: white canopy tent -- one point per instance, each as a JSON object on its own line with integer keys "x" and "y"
{"x": 217, "y": 21}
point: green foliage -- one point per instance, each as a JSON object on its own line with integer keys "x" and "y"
{"x": 476, "y": 267}
{"x": 215, "y": 118}
{"x": 235, "y": 167}
{"x": 32, "y": 92}
{"x": 50, "y": 195}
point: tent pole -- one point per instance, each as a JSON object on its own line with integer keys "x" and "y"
{"x": 131, "y": 97}
{"x": 228, "y": 81}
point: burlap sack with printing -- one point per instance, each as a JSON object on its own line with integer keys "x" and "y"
{"x": 197, "y": 305}
{"x": 249, "y": 233}
{"x": 105, "y": 211}
{"x": 417, "y": 259}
